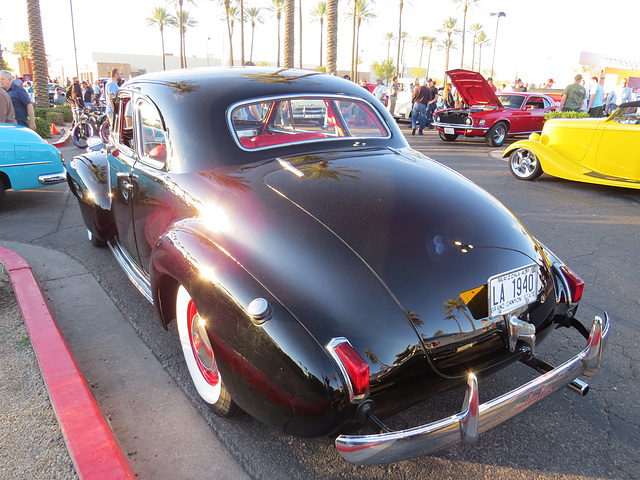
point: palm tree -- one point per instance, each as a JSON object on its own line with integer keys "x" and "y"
{"x": 353, "y": 41}
{"x": 179, "y": 4}
{"x": 405, "y": 35}
{"x": 227, "y": 8}
{"x": 399, "y": 35}
{"x": 465, "y": 5}
{"x": 22, "y": 49}
{"x": 430, "y": 42}
{"x": 482, "y": 40}
{"x": 289, "y": 36}
{"x": 41, "y": 78}
{"x": 390, "y": 37}
{"x": 421, "y": 41}
{"x": 300, "y": 31}
{"x": 332, "y": 35}
{"x": 185, "y": 21}
{"x": 161, "y": 17}
{"x": 318, "y": 15}
{"x": 241, "y": 3}
{"x": 253, "y": 15}
{"x": 276, "y": 7}
{"x": 457, "y": 304}
{"x": 475, "y": 29}
{"x": 448, "y": 28}
{"x": 447, "y": 45}
{"x": 362, "y": 13}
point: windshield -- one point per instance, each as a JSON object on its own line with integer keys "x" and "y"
{"x": 275, "y": 122}
{"x": 511, "y": 101}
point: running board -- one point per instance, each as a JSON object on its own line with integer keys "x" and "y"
{"x": 133, "y": 271}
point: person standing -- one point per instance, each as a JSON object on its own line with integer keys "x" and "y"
{"x": 447, "y": 96}
{"x": 431, "y": 106}
{"x": 22, "y": 106}
{"x": 596, "y": 100}
{"x": 110, "y": 91}
{"x": 420, "y": 100}
{"x": 380, "y": 91}
{"x": 619, "y": 95}
{"x": 573, "y": 96}
{"x": 7, "y": 113}
{"x": 393, "y": 94}
{"x": 492, "y": 85}
{"x": 87, "y": 94}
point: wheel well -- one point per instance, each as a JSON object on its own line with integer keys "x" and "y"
{"x": 506, "y": 122}
{"x": 4, "y": 180}
{"x": 166, "y": 291}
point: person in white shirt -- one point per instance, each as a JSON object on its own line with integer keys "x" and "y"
{"x": 380, "y": 91}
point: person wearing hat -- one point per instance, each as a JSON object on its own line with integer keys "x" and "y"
{"x": 573, "y": 96}
{"x": 549, "y": 84}
{"x": 431, "y": 106}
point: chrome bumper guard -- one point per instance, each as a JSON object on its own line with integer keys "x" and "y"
{"x": 459, "y": 126}
{"x": 52, "y": 178}
{"x": 474, "y": 419}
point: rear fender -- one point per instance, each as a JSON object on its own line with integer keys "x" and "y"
{"x": 88, "y": 179}
{"x": 273, "y": 368}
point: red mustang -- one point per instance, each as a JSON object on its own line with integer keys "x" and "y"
{"x": 493, "y": 116}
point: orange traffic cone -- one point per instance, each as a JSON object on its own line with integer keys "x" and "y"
{"x": 54, "y": 130}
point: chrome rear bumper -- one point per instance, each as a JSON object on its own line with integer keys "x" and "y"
{"x": 474, "y": 419}
{"x": 53, "y": 178}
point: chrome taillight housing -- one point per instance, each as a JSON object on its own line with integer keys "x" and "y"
{"x": 354, "y": 369}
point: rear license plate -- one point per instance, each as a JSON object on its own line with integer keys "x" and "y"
{"x": 513, "y": 289}
{"x": 449, "y": 131}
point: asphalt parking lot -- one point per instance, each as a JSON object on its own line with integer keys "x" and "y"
{"x": 594, "y": 229}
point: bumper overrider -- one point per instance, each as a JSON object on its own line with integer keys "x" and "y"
{"x": 53, "y": 178}
{"x": 474, "y": 419}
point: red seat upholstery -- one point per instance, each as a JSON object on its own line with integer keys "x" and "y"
{"x": 279, "y": 139}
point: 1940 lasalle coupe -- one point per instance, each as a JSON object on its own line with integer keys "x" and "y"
{"x": 605, "y": 151}
{"x": 322, "y": 274}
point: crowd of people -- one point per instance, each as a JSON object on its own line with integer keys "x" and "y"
{"x": 17, "y": 98}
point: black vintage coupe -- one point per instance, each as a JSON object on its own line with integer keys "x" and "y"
{"x": 322, "y": 274}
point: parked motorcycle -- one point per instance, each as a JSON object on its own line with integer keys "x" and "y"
{"x": 88, "y": 122}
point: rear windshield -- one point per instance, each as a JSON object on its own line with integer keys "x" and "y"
{"x": 275, "y": 122}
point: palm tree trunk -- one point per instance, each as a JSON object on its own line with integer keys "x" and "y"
{"x": 421, "y": 50}
{"x": 355, "y": 67}
{"x": 181, "y": 35}
{"x": 279, "y": 17}
{"x": 242, "y": 32}
{"x": 227, "y": 5}
{"x": 289, "y": 32}
{"x": 321, "y": 32}
{"x": 36, "y": 39}
{"x": 253, "y": 31}
{"x": 164, "y": 65}
{"x": 300, "y": 30}
{"x": 429, "y": 61}
{"x": 464, "y": 28}
{"x": 354, "y": 70}
{"x": 332, "y": 35}
{"x": 399, "y": 36}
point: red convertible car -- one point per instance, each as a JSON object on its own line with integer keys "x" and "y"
{"x": 323, "y": 275}
{"x": 492, "y": 115}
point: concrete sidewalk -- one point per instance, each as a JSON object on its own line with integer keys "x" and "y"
{"x": 158, "y": 428}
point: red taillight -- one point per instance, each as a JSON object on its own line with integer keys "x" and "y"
{"x": 356, "y": 368}
{"x": 576, "y": 284}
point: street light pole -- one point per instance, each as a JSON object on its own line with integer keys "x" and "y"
{"x": 495, "y": 40}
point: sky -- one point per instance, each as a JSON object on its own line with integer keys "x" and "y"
{"x": 536, "y": 40}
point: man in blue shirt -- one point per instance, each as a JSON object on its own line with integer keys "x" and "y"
{"x": 22, "y": 105}
{"x": 596, "y": 100}
{"x": 110, "y": 91}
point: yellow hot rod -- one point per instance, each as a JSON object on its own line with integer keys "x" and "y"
{"x": 605, "y": 151}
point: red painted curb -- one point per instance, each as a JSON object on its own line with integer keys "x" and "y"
{"x": 94, "y": 450}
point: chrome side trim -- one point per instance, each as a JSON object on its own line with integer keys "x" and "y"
{"x": 26, "y": 164}
{"x": 465, "y": 426}
{"x": 133, "y": 271}
{"x": 53, "y": 178}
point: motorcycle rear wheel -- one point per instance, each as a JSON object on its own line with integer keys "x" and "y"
{"x": 80, "y": 133}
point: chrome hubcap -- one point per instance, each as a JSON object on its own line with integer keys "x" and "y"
{"x": 523, "y": 162}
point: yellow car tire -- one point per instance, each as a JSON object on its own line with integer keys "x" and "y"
{"x": 524, "y": 164}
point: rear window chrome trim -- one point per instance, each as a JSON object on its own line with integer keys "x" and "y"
{"x": 310, "y": 96}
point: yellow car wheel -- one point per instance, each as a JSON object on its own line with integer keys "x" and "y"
{"x": 524, "y": 164}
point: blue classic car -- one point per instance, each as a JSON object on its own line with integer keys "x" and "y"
{"x": 27, "y": 161}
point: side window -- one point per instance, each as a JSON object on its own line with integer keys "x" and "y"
{"x": 123, "y": 121}
{"x": 152, "y": 137}
{"x": 535, "y": 103}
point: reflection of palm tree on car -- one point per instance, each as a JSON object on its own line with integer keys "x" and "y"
{"x": 458, "y": 304}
